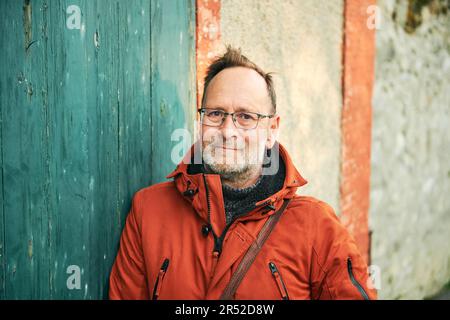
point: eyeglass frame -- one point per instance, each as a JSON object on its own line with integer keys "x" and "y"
{"x": 226, "y": 114}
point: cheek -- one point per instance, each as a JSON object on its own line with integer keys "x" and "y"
{"x": 208, "y": 133}
{"x": 257, "y": 137}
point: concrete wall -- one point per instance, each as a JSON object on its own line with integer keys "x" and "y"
{"x": 410, "y": 180}
{"x": 301, "y": 41}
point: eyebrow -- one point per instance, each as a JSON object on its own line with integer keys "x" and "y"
{"x": 238, "y": 109}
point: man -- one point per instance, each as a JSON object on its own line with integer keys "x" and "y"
{"x": 185, "y": 239}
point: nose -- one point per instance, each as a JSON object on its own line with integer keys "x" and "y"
{"x": 228, "y": 129}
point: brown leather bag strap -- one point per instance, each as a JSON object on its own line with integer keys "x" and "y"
{"x": 250, "y": 256}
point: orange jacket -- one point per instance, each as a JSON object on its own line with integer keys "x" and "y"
{"x": 167, "y": 250}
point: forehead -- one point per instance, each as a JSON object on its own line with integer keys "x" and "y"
{"x": 238, "y": 88}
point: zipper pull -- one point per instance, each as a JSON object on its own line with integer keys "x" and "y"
{"x": 214, "y": 263}
{"x": 165, "y": 265}
{"x": 280, "y": 283}
{"x": 273, "y": 268}
{"x": 161, "y": 274}
{"x": 218, "y": 245}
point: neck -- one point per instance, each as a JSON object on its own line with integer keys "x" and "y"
{"x": 241, "y": 180}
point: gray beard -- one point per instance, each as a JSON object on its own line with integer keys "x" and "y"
{"x": 233, "y": 176}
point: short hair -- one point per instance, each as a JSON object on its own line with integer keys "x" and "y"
{"x": 234, "y": 58}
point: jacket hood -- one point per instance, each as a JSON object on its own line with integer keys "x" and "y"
{"x": 204, "y": 190}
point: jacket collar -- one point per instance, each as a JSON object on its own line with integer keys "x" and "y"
{"x": 204, "y": 190}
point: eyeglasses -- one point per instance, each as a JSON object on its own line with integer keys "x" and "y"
{"x": 241, "y": 120}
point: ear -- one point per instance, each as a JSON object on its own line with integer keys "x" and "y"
{"x": 273, "y": 131}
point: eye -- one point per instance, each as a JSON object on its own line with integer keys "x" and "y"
{"x": 214, "y": 113}
{"x": 245, "y": 116}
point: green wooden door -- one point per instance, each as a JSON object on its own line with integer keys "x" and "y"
{"x": 87, "y": 111}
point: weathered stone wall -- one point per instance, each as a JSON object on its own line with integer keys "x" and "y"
{"x": 410, "y": 178}
{"x": 301, "y": 42}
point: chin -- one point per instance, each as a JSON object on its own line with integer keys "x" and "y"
{"x": 225, "y": 168}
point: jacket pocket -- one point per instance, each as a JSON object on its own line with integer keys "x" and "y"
{"x": 160, "y": 278}
{"x": 354, "y": 281}
{"x": 279, "y": 281}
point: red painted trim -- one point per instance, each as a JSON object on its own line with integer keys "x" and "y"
{"x": 208, "y": 38}
{"x": 357, "y": 84}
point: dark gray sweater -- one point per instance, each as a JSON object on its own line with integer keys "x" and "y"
{"x": 241, "y": 201}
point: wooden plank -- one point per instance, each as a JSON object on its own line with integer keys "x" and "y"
{"x": 106, "y": 63}
{"x": 71, "y": 98}
{"x": 3, "y": 101}
{"x": 173, "y": 79}
{"x": 133, "y": 100}
{"x": 104, "y": 146}
{"x": 113, "y": 92}
{"x": 134, "y": 76}
{"x": 24, "y": 149}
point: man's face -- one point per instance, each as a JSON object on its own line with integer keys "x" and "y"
{"x": 229, "y": 150}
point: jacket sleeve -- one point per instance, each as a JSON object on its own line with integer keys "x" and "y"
{"x": 127, "y": 279}
{"x": 338, "y": 270}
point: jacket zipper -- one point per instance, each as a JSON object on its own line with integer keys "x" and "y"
{"x": 218, "y": 240}
{"x": 354, "y": 281}
{"x": 279, "y": 280}
{"x": 159, "y": 280}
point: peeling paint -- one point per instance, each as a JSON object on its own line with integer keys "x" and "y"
{"x": 415, "y": 12}
{"x": 21, "y": 78}
{"x": 96, "y": 40}
{"x": 29, "y": 90}
{"x": 27, "y": 16}
{"x": 82, "y": 30}
{"x": 208, "y": 19}
{"x": 162, "y": 108}
{"x": 30, "y": 249}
